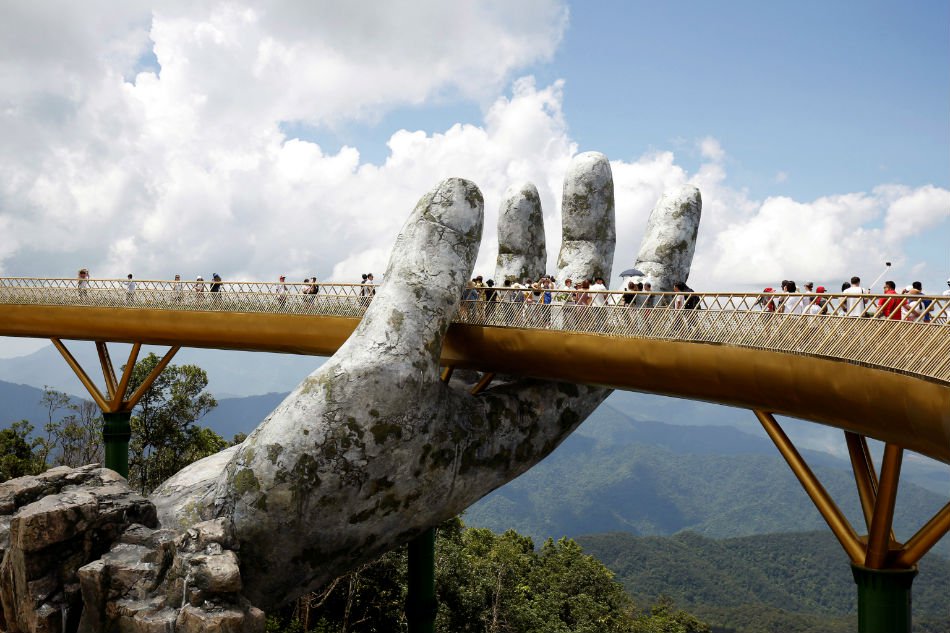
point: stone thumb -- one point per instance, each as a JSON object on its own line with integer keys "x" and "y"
{"x": 431, "y": 260}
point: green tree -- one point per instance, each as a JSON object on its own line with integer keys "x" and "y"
{"x": 165, "y": 436}
{"x": 486, "y": 583}
{"x": 664, "y": 617}
{"x": 19, "y": 455}
{"x": 75, "y": 438}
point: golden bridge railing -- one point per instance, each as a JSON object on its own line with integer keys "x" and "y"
{"x": 284, "y": 298}
{"x": 852, "y": 328}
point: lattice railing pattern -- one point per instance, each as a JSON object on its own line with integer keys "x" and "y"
{"x": 839, "y": 326}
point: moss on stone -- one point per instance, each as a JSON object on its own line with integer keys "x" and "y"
{"x": 500, "y": 460}
{"x": 442, "y": 458}
{"x": 382, "y": 432}
{"x": 304, "y": 477}
{"x": 273, "y": 452}
{"x": 354, "y": 427}
{"x": 245, "y": 481}
{"x": 376, "y": 485}
{"x": 396, "y": 319}
{"x": 473, "y": 196}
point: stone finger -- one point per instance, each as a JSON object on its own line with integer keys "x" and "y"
{"x": 521, "y": 244}
{"x": 588, "y": 225}
{"x": 666, "y": 252}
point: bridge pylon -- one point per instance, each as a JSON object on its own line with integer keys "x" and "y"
{"x": 116, "y": 404}
{"x": 883, "y": 568}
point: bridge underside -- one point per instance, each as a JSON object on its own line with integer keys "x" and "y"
{"x": 895, "y": 408}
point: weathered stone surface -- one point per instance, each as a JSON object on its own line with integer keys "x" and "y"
{"x": 588, "y": 226}
{"x": 218, "y": 573}
{"x": 666, "y": 252}
{"x": 151, "y": 577}
{"x": 521, "y": 243}
{"x": 219, "y": 620}
{"x": 53, "y": 519}
{"x": 58, "y": 522}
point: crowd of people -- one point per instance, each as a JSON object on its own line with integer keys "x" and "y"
{"x": 910, "y": 303}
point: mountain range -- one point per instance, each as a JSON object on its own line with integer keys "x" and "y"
{"x": 794, "y": 582}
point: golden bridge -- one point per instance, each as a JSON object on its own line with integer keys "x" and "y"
{"x": 830, "y": 359}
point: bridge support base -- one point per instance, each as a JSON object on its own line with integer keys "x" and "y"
{"x": 421, "y": 605}
{"x": 116, "y": 434}
{"x": 884, "y": 599}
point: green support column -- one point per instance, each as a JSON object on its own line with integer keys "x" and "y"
{"x": 884, "y": 604}
{"x": 116, "y": 433}
{"x": 421, "y": 606}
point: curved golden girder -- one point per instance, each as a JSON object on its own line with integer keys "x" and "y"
{"x": 893, "y": 407}
{"x": 879, "y": 549}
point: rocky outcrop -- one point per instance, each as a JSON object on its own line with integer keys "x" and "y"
{"x": 160, "y": 580}
{"x": 50, "y": 526}
{"x": 80, "y": 552}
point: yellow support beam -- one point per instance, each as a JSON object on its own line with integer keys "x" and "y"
{"x": 483, "y": 383}
{"x": 107, "y": 371}
{"x": 126, "y": 376}
{"x": 864, "y": 475}
{"x": 133, "y": 400}
{"x": 879, "y": 535}
{"x": 826, "y": 506}
{"x": 925, "y": 538}
{"x": 83, "y": 378}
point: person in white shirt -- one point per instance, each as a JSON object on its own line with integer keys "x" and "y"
{"x": 130, "y": 290}
{"x": 281, "y": 290}
{"x": 599, "y": 302}
{"x": 855, "y": 305}
{"x": 598, "y": 299}
{"x": 946, "y": 293}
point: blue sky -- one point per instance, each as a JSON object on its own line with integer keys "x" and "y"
{"x": 837, "y": 96}
{"x": 260, "y": 138}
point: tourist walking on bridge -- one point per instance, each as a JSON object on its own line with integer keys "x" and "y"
{"x": 199, "y": 288}
{"x": 856, "y": 305}
{"x": 178, "y": 289}
{"x": 83, "y": 282}
{"x": 889, "y": 308}
{"x": 130, "y": 290}
{"x": 281, "y": 291}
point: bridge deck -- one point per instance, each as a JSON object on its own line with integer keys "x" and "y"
{"x": 883, "y": 378}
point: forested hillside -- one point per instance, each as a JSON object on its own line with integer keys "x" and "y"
{"x": 647, "y": 478}
{"x": 753, "y": 584}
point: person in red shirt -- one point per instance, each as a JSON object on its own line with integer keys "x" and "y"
{"x": 890, "y": 307}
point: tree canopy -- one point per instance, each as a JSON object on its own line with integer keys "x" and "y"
{"x": 165, "y": 436}
{"x": 487, "y": 583}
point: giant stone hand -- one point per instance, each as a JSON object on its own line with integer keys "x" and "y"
{"x": 372, "y": 449}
